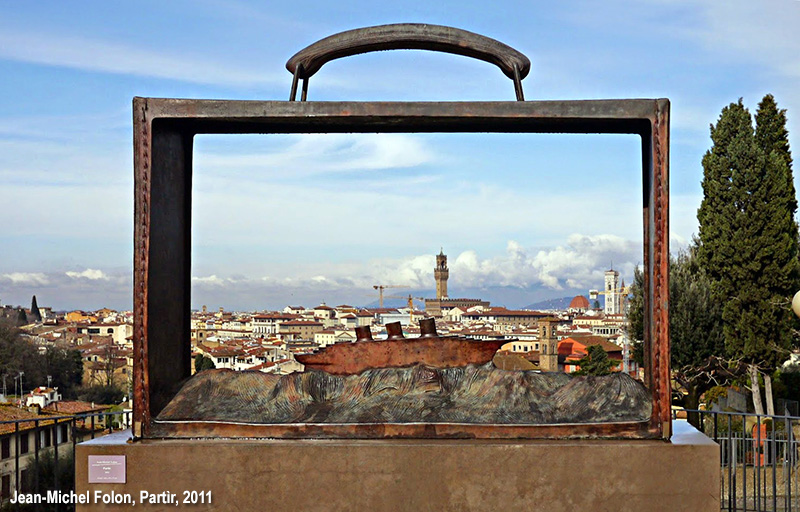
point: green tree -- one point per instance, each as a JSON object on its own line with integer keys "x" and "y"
{"x": 748, "y": 239}
{"x": 20, "y": 355}
{"x": 635, "y": 326}
{"x": 35, "y": 314}
{"x": 596, "y": 362}
{"x": 773, "y": 138}
{"x": 696, "y": 344}
{"x": 202, "y": 362}
{"x": 695, "y": 324}
{"x": 66, "y": 368}
{"x": 22, "y": 317}
{"x": 100, "y": 394}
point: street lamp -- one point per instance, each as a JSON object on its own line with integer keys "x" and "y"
{"x": 796, "y": 304}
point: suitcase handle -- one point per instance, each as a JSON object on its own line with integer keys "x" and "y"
{"x": 407, "y": 36}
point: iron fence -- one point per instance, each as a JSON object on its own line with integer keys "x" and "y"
{"x": 48, "y": 462}
{"x": 758, "y": 459}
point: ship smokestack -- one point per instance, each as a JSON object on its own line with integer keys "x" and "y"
{"x": 427, "y": 328}
{"x": 363, "y": 333}
{"x": 395, "y": 331}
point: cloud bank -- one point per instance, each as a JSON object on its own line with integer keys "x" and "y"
{"x": 578, "y": 264}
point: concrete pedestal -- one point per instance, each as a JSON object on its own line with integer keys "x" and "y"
{"x": 417, "y": 475}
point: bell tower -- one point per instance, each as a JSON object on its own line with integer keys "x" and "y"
{"x": 441, "y": 273}
{"x": 613, "y": 295}
{"x": 548, "y": 345}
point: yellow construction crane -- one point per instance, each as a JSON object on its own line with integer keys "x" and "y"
{"x": 411, "y": 307}
{"x": 381, "y": 287}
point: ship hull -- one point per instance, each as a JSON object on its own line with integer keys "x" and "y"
{"x": 439, "y": 352}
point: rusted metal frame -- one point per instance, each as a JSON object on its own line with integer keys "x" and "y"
{"x": 407, "y": 36}
{"x": 655, "y": 162}
{"x": 141, "y": 244}
{"x": 226, "y": 116}
{"x": 176, "y": 121}
{"x": 162, "y": 281}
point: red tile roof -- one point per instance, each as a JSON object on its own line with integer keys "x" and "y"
{"x": 579, "y": 302}
{"x": 74, "y": 407}
{"x": 11, "y": 413}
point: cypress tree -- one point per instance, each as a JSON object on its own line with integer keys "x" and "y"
{"x": 731, "y": 153}
{"x": 773, "y": 137}
{"x": 37, "y": 317}
{"x": 748, "y": 241}
{"x": 22, "y": 318}
{"x": 784, "y": 269}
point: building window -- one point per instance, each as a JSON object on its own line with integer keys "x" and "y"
{"x": 6, "y": 448}
{"x": 45, "y": 438}
{"x": 24, "y": 484}
{"x": 110, "y": 330}
{"x": 23, "y": 442}
{"x": 5, "y": 489}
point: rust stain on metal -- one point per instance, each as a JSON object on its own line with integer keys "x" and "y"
{"x": 396, "y": 350}
{"x": 407, "y": 36}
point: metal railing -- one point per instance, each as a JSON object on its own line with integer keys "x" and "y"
{"x": 758, "y": 459}
{"x": 49, "y": 463}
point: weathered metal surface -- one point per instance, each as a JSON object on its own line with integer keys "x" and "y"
{"x": 657, "y": 286}
{"x": 161, "y": 288}
{"x": 570, "y": 116}
{"x": 429, "y": 349}
{"x": 407, "y": 36}
{"x": 473, "y": 394}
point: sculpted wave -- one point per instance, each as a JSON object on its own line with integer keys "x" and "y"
{"x": 470, "y": 394}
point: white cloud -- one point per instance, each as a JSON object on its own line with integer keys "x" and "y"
{"x": 579, "y": 263}
{"x": 90, "y": 274}
{"x": 25, "y": 278}
{"x": 97, "y": 55}
{"x": 514, "y": 277}
{"x": 318, "y": 153}
{"x": 211, "y": 280}
{"x": 87, "y": 289}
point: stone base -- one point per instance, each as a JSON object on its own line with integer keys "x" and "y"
{"x": 417, "y": 475}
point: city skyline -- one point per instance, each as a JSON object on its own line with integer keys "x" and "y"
{"x": 65, "y": 130}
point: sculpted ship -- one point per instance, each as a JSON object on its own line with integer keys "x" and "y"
{"x": 398, "y": 351}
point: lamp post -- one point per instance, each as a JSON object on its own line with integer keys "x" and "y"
{"x": 796, "y": 304}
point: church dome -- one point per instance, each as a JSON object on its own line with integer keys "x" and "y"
{"x": 579, "y": 302}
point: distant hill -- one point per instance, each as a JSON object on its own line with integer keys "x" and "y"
{"x": 560, "y": 303}
{"x": 402, "y": 303}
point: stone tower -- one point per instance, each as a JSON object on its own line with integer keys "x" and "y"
{"x": 613, "y": 295}
{"x": 548, "y": 345}
{"x": 441, "y": 273}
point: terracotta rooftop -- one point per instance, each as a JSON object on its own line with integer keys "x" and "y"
{"x": 300, "y": 323}
{"x": 579, "y": 302}
{"x": 74, "y": 407}
{"x": 11, "y": 413}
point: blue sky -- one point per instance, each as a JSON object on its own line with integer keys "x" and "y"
{"x": 282, "y": 219}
